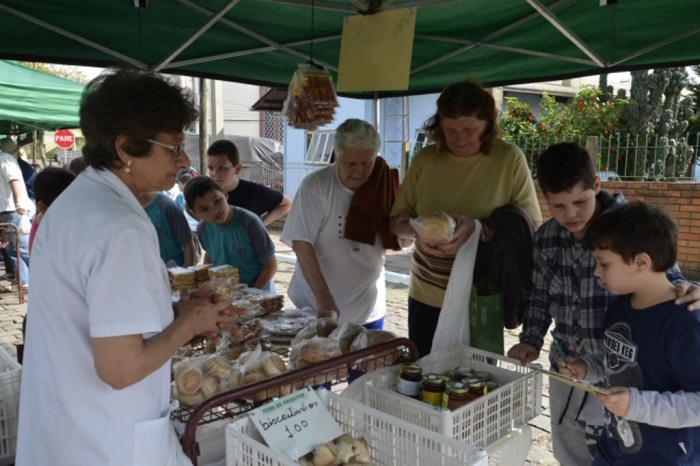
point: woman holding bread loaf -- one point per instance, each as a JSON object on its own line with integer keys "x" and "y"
{"x": 466, "y": 174}
{"x": 102, "y": 327}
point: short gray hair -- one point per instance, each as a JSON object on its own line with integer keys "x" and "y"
{"x": 354, "y": 133}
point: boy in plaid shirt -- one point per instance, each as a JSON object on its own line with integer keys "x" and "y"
{"x": 566, "y": 290}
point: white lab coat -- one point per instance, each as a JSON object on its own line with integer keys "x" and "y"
{"x": 96, "y": 272}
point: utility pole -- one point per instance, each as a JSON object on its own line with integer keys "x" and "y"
{"x": 203, "y": 123}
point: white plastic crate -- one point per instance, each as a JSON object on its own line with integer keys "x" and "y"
{"x": 391, "y": 441}
{"x": 480, "y": 422}
{"x": 10, "y": 372}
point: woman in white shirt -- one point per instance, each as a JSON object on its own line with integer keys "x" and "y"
{"x": 101, "y": 326}
{"x": 336, "y": 274}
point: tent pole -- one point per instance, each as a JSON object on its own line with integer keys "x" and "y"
{"x": 375, "y": 111}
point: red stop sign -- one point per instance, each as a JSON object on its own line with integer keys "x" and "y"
{"x": 64, "y": 138}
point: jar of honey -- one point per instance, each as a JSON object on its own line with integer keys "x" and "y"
{"x": 433, "y": 389}
{"x": 476, "y": 387}
{"x": 409, "y": 380}
{"x": 457, "y": 394}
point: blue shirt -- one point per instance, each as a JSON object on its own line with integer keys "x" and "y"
{"x": 655, "y": 349}
{"x": 243, "y": 243}
{"x": 171, "y": 227}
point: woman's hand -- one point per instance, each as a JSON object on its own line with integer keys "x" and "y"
{"x": 617, "y": 402}
{"x": 401, "y": 227}
{"x": 327, "y": 307}
{"x": 688, "y": 293}
{"x": 205, "y": 315}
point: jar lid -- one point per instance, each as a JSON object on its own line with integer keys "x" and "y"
{"x": 483, "y": 375}
{"x": 463, "y": 371}
{"x": 456, "y": 387}
{"x": 411, "y": 369}
{"x": 476, "y": 383}
{"x": 434, "y": 378}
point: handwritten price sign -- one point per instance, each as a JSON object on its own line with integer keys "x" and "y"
{"x": 295, "y": 424}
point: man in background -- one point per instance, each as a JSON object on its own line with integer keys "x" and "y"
{"x": 224, "y": 165}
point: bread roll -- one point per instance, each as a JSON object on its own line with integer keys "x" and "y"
{"x": 345, "y": 334}
{"x": 370, "y": 338}
{"x": 235, "y": 379}
{"x": 273, "y": 366}
{"x": 188, "y": 380}
{"x": 192, "y": 400}
{"x": 210, "y": 386}
{"x": 252, "y": 377}
{"x": 219, "y": 367}
{"x": 324, "y": 455}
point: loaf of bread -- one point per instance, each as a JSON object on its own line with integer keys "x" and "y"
{"x": 435, "y": 228}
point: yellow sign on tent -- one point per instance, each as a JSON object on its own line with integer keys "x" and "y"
{"x": 375, "y": 51}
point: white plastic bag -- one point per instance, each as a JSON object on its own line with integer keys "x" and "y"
{"x": 453, "y": 325}
{"x": 435, "y": 228}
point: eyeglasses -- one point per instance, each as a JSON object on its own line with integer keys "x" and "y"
{"x": 177, "y": 150}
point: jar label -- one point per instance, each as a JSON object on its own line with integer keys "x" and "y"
{"x": 407, "y": 387}
{"x": 433, "y": 398}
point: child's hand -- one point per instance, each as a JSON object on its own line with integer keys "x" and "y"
{"x": 575, "y": 368}
{"x": 617, "y": 402}
{"x": 524, "y": 352}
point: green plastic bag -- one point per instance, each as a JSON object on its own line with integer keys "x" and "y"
{"x": 486, "y": 321}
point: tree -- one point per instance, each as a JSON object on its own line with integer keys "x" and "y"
{"x": 68, "y": 72}
{"x": 659, "y": 114}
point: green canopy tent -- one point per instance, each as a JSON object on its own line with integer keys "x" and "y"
{"x": 31, "y": 99}
{"x": 262, "y": 41}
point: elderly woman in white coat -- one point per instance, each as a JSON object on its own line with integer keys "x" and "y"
{"x": 101, "y": 325}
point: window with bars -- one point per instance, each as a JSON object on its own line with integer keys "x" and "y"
{"x": 320, "y": 147}
{"x": 272, "y": 126}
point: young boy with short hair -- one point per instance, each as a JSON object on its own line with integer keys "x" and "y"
{"x": 231, "y": 235}
{"x": 565, "y": 289}
{"x": 651, "y": 344}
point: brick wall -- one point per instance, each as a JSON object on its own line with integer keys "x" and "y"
{"x": 680, "y": 200}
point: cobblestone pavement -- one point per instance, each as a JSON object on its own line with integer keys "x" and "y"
{"x": 11, "y": 313}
